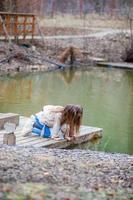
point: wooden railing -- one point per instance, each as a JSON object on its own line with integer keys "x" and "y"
{"x": 17, "y": 24}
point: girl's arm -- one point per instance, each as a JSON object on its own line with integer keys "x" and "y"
{"x": 56, "y": 127}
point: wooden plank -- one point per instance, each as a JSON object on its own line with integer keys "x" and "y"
{"x": 24, "y": 27}
{"x": 87, "y": 133}
{"x": 122, "y": 65}
{"x": 19, "y": 28}
{"x": 15, "y": 27}
{"x": 31, "y": 139}
{"x": 20, "y": 135}
{"x": 80, "y": 139}
{"x": 27, "y": 140}
{"x": 65, "y": 143}
{"x": 22, "y": 139}
{"x": 5, "y": 30}
{"x": 33, "y": 27}
{"x": 8, "y": 117}
{"x": 22, "y": 14}
{"x": 27, "y": 23}
{"x": 96, "y": 59}
{"x": 7, "y": 24}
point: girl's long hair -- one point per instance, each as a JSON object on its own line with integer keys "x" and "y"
{"x": 72, "y": 115}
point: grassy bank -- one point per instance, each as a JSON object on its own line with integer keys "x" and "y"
{"x": 92, "y": 20}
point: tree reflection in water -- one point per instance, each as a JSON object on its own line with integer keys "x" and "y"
{"x": 67, "y": 75}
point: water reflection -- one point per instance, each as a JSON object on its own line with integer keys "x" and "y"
{"x": 105, "y": 94}
{"x": 130, "y": 117}
{"x": 67, "y": 75}
{"x": 21, "y": 87}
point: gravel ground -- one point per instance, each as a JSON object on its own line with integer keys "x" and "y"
{"x": 39, "y": 173}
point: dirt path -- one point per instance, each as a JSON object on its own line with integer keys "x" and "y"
{"x": 99, "y": 34}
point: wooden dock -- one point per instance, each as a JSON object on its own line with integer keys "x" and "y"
{"x": 8, "y": 117}
{"x": 86, "y": 134}
{"x": 122, "y": 65}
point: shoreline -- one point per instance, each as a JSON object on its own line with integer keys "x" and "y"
{"x": 33, "y": 56}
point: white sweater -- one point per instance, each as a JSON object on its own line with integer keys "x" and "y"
{"x": 51, "y": 116}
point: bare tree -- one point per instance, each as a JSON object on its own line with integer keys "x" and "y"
{"x": 9, "y": 5}
{"x": 128, "y": 55}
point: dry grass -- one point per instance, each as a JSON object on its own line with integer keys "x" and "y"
{"x": 90, "y": 21}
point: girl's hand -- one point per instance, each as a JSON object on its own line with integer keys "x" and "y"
{"x": 69, "y": 138}
{"x": 56, "y": 138}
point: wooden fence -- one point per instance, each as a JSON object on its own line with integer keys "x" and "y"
{"x": 17, "y": 24}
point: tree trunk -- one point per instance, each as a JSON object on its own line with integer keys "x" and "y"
{"x": 81, "y": 7}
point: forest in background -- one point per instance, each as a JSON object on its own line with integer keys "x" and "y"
{"x": 51, "y": 7}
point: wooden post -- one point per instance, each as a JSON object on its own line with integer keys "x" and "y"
{"x": 7, "y": 24}
{"x": 9, "y": 136}
{"x": 24, "y": 28}
{"x": 112, "y": 7}
{"x": 72, "y": 55}
{"x": 9, "y": 139}
{"x": 53, "y": 8}
{"x": 5, "y": 30}
{"x": 15, "y": 27}
{"x": 81, "y": 8}
{"x": 33, "y": 26}
{"x": 8, "y": 118}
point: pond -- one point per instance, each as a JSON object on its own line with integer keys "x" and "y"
{"x": 105, "y": 94}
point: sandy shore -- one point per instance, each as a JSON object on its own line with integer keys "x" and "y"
{"x": 37, "y": 174}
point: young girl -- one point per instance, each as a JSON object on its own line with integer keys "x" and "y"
{"x": 70, "y": 120}
{"x": 57, "y": 121}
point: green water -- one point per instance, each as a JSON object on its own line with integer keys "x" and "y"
{"x": 105, "y": 94}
